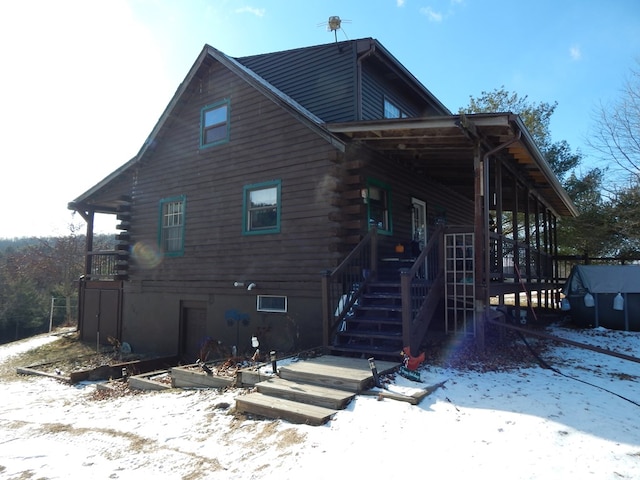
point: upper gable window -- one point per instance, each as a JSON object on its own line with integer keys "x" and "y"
{"x": 261, "y": 210}
{"x": 214, "y": 124}
{"x": 171, "y": 234}
{"x": 391, "y": 110}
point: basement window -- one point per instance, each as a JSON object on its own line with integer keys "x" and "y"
{"x": 214, "y": 124}
{"x": 272, "y": 303}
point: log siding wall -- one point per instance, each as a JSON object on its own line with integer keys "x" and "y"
{"x": 265, "y": 144}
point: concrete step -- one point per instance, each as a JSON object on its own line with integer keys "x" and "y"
{"x": 306, "y": 393}
{"x": 311, "y": 391}
{"x": 275, "y": 407}
{"x": 343, "y": 373}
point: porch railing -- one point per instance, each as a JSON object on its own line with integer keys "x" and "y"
{"x": 342, "y": 286}
{"x": 532, "y": 263}
{"x": 107, "y": 265}
{"x": 422, "y": 288}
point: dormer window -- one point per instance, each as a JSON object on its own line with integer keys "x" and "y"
{"x": 391, "y": 110}
{"x": 214, "y": 124}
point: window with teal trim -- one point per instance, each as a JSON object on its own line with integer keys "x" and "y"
{"x": 171, "y": 235}
{"x": 214, "y": 124}
{"x": 261, "y": 208}
{"x": 378, "y": 198}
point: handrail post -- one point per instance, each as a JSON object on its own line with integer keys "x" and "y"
{"x": 326, "y": 309}
{"x": 407, "y": 311}
{"x": 373, "y": 261}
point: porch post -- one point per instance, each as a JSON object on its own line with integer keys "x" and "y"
{"x": 89, "y": 243}
{"x": 326, "y": 309}
{"x": 481, "y": 241}
{"x": 539, "y": 256}
{"x": 516, "y": 243}
{"x": 407, "y": 314}
{"x": 373, "y": 260}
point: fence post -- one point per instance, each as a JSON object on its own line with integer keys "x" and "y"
{"x": 53, "y": 301}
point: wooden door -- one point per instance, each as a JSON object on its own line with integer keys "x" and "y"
{"x": 100, "y": 312}
{"x": 419, "y": 228}
{"x": 193, "y": 330}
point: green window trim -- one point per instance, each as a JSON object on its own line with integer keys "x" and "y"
{"x": 261, "y": 206}
{"x": 214, "y": 124}
{"x": 171, "y": 225}
{"x": 378, "y": 200}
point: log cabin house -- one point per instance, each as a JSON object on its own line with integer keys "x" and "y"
{"x": 317, "y": 196}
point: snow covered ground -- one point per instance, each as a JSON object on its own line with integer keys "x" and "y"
{"x": 529, "y": 423}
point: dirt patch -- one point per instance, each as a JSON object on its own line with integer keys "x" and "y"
{"x": 64, "y": 352}
{"x": 504, "y": 350}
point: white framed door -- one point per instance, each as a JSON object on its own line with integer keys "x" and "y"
{"x": 419, "y": 222}
{"x": 419, "y": 228}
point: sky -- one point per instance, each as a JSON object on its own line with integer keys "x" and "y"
{"x": 84, "y": 82}
{"x": 578, "y": 421}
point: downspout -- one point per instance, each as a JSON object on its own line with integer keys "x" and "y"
{"x": 365, "y": 55}
{"x": 485, "y": 231}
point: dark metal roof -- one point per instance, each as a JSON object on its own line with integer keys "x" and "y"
{"x": 208, "y": 53}
{"x": 443, "y": 148}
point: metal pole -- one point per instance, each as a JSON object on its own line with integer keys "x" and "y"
{"x": 53, "y": 301}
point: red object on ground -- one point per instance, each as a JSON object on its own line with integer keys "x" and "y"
{"x": 412, "y": 363}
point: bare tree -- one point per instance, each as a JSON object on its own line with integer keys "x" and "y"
{"x": 616, "y": 136}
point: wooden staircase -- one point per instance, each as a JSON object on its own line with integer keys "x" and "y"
{"x": 311, "y": 391}
{"x": 374, "y": 325}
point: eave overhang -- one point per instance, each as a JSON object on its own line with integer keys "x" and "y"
{"x": 443, "y": 148}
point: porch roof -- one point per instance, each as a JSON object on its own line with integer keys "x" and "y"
{"x": 443, "y": 148}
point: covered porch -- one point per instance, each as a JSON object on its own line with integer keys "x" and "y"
{"x": 511, "y": 247}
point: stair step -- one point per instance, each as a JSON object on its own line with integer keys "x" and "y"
{"x": 353, "y": 375}
{"x": 386, "y": 284}
{"x": 275, "y": 407}
{"x": 390, "y": 335}
{"x": 369, "y": 320}
{"x": 368, "y": 350}
{"x": 380, "y": 308}
{"x": 382, "y": 296}
{"x": 306, "y": 393}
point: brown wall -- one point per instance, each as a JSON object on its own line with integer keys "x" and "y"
{"x": 405, "y": 182}
{"x": 320, "y": 218}
{"x": 266, "y": 143}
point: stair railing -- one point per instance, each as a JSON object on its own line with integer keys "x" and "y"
{"x": 342, "y": 287}
{"x": 422, "y": 287}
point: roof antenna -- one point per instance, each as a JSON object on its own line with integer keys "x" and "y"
{"x": 334, "y": 24}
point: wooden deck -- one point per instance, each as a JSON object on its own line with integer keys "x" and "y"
{"x": 312, "y": 391}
